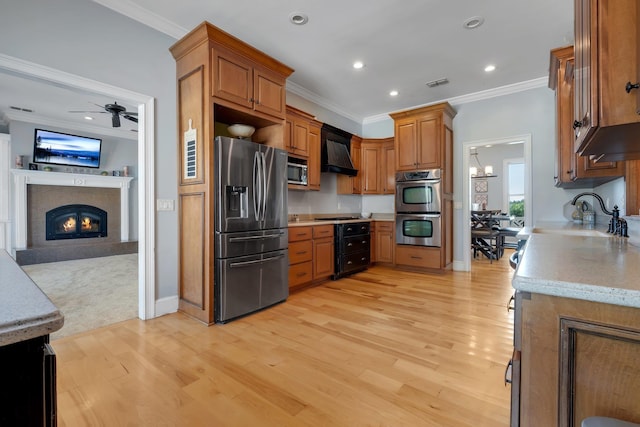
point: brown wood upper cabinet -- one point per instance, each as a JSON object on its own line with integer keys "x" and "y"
{"x": 424, "y": 140}
{"x": 375, "y": 161}
{"x": 378, "y": 166}
{"x": 573, "y": 170}
{"x": 246, "y": 83}
{"x": 420, "y": 136}
{"x": 606, "y": 119}
{"x": 302, "y": 140}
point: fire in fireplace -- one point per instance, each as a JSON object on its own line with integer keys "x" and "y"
{"x": 76, "y": 222}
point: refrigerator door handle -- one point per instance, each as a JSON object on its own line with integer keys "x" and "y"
{"x": 266, "y": 236}
{"x": 256, "y": 185}
{"x": 256, "y": 261}
{"x": 264, "y": 186}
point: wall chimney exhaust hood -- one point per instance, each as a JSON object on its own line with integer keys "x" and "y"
{"x": 335, "y": 148}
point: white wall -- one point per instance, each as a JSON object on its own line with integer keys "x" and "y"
{"x": 89, "y": 40}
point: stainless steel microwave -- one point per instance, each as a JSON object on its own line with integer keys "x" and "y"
{"x": 296, "y": 173}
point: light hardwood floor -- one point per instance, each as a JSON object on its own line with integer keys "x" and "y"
{"x": 380, "y": 348}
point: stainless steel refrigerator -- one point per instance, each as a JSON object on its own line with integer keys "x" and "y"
{"x": 251, "y": 238}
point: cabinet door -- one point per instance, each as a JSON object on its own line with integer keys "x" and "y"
{"x": 388, "y": 170}
{"x": 269, "y": 93}
{"x": 232, "y": 78}
{"x": 300, "y": 143}
{"x": 314, "y": 158}
{"x": 323, "y": 259}
{"x": 356, "y": 158}
{"x": 585, "y": 112}
{"x": 384, "y": 242}
{"x": 288, "y": 135}
{"x": 429, "y": 143}
{"x": 370, "y": 168}
{"x": 406, "y": 143}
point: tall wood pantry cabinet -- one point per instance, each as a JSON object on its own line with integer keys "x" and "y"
{"x": 424, "y": 140}
{"x": 220, "y": 81}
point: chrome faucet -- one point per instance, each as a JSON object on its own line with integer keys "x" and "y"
{"x": 617, "y": 225}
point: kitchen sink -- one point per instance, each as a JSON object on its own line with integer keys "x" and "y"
{"x": 588, "y": 232}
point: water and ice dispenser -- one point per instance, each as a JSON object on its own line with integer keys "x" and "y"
{"x": 237, "y": 199}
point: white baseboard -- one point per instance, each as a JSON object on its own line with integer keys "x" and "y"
{"x": 166, "y": 305}
{"x": 458, "y": 266}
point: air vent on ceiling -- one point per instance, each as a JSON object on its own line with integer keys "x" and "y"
{"x": 27, "y": 110}
{"x": 438, "y": 82}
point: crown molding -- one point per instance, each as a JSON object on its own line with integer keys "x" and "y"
{"x": 144, "y": 16}
{"x": 473, "y": 97}
{"x": 20, "y": 116}
{"x": 321, "y": 101}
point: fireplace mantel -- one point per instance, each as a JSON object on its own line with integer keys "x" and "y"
{"x": 23, "y": 177}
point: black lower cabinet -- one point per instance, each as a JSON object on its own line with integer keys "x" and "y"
{"x": 28, "y": 383}
{"x": 353, "y": 248}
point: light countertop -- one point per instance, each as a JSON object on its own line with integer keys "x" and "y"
{"x": 25, "y": 311}
{"x": 601, "y": 268}
{"x": 308, "y": 220}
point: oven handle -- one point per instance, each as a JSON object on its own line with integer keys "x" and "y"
{"x": 420, "y": 181}
{"x": 418, "y": 215}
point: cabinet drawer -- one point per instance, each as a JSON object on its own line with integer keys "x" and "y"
{"x": 353, "y": 244}
{"x": 384, "y": 226}
{"x": 418, "y": 256}
{"x": 300, "y": 252}
{"x": 320, "y": 231}
{"x": 300, "y": 273}
{"x": 300, "y": 233}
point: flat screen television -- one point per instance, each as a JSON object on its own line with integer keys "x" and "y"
{"x": 59, "y": 148}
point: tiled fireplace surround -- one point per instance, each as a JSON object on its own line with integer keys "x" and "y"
{"x": 36, "y": 192}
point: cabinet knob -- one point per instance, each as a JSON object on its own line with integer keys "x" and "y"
{"x": 577, "y": 124}
{"x": 570, "y": 172}
{"x": 630, "y": 86}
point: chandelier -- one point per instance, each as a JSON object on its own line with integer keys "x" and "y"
{"x": 480, "y": 171}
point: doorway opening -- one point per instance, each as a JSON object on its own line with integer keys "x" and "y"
{"x": 506, "y": 186}
{"x": 145, "y": 167}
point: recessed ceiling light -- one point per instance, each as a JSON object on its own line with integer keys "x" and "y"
{"x": 393, "y": 93}
{"x": 489, "y": 68}
{"x": 88, "y": 118}
{"x": 298, "y": 18}
{"x": 357, "y": 65}
{"x": 473, "y": 22}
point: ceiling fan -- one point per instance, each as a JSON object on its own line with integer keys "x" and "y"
{"x": 116, "y": 111}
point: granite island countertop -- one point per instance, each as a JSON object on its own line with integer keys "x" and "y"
{"x": 25, "y": 311}
{"x": 601, "y": 269}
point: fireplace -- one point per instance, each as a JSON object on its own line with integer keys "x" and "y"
{"x": 76, "y": 222}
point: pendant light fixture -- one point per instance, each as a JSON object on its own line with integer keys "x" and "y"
{"x": 480, "y": 171}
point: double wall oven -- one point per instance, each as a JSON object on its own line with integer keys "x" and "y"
{"x": 418, "y": 212}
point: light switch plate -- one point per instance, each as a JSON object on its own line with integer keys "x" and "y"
{"x": 165, "y": 205}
